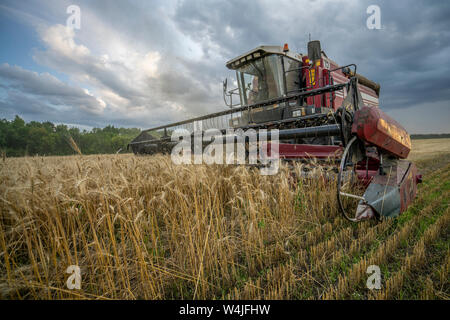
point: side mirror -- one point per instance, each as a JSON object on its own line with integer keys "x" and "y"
{"x": 225, "y": 85}
{"x": 229, "y": 94}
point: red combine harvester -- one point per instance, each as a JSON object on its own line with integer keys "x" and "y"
{"x": 322, "y": 111}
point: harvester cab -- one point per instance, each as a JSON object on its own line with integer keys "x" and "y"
{"x": 322, "y": 111}
{"x": 272, "y": 72}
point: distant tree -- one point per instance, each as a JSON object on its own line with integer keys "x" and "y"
{"x": 18, "y": 138}
{"x": 430, "y": 136}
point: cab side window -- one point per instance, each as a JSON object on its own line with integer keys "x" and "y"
{"x": 293, "y": 78}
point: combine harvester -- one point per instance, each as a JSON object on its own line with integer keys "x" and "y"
{"x": 322, "y": 111}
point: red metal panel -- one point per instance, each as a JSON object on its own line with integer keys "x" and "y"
{"x": 366, "y": 176}
{"x": 377, "y": 128}
{"x": 326, "y": 96}
{"x": 408, "y": 186}
{"x": 340, "y": 77}
{"x": 305, "y": 151}
{"x": 338, "y": 101}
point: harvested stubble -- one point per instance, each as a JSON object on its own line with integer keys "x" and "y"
{"x": 414, "y": 260}
{"x": 433, "y": 201}
{"x": 142, "y": 227}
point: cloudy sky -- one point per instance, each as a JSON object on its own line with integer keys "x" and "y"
{"x": 146, "y": 63}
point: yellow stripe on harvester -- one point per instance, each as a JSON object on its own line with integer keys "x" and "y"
{"x": 312, "y": 80}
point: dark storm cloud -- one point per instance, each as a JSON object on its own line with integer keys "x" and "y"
{"x": 18, "y": 82}
{"x": 409, "y": 56}
{"x": 14, "y": 77}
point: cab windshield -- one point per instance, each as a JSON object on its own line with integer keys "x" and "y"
{"x": 261, "y": 79}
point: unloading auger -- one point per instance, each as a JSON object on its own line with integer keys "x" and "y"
{"x": 322, "y": 111}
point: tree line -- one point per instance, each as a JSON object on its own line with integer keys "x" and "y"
{"x": 18, "y": 138}
{"x": 430, "y": 136}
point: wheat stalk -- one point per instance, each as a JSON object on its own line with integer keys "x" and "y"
{"x": 74, "y": 145}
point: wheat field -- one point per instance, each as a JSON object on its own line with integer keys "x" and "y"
{"x": 144, "y": 228}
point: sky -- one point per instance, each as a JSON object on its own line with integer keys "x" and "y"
{"x": 148, "y": 63}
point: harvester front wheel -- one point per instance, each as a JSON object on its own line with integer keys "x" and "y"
{"x": 344, "y": 167}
